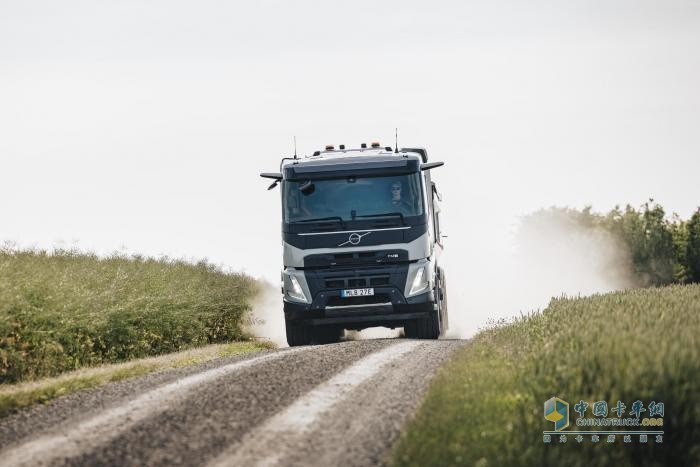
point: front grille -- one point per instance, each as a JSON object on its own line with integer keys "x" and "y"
{"x": 335, "y": 284}
{"x": 376, "y": 257}
{"x": 365, "y": 300}
{"x": 357, "y": 282}
{"x": 378, "y": 281}
{"x": 337, "y": 278}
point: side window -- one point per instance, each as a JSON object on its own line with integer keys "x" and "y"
{"x": 435, "y": 196}
{"x": 429, "y": 203}
{"x": 436, "y": 219}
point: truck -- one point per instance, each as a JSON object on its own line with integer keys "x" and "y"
{"x": 361, "y": 243}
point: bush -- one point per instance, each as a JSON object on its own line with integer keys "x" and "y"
{"x": 485, "y": 407}
{"x": 65, "y": 310}
{"x": 692, "y": 254}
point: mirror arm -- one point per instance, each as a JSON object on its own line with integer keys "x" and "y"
{"x": 431, "y": 165}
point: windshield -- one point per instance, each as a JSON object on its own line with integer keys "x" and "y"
{"x": 352, "y": 198}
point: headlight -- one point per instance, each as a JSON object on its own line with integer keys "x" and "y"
{"x": 294, "y": 291}
{"x": 420, "y": 282}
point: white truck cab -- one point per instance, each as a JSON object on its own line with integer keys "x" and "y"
{"x": 361, "y": 243}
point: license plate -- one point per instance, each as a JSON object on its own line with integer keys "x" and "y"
{"x": 356, "y": 292}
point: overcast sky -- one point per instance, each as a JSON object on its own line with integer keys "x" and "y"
{"x": 144, "y": 125}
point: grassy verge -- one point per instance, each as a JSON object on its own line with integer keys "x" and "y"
{"x": 15, "y": 396}
{"x": 65, "y": 310}
{"x": 485, "y": 407}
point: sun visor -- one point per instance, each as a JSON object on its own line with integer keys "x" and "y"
{"x": 313, "y": 171}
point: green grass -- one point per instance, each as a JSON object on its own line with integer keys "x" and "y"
{"x": 65, "y": 310}
{"x": 16, "y": 396}
{"x": 485, "y": 407}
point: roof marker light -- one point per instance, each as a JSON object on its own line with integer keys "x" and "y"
{"x": 375, "y": 144}
{"x": 329, "y": 147}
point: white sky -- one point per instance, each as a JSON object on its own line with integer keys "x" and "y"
{"x": 144, "y": 125}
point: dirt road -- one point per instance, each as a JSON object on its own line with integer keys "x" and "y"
{"x": 340, "y": 404}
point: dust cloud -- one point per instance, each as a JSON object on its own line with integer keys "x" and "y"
{"x": 548, "y": 255}
{"x": 373, "y": 333}
{"x": 266, "y": 319}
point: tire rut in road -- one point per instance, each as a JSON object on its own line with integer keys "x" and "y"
{"x": 73, "y": 408}
{"x": 226, "y": 404}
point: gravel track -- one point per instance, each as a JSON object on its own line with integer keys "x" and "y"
{"x": 318, "y": 405}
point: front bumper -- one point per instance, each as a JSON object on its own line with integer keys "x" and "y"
{"x": 329, "y": 309}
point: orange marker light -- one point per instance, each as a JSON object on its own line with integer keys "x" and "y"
{"x": 375, "y": 144}
{"x": 329, "y": 147}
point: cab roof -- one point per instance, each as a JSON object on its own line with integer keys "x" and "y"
{"x": 331, "y": 156}
{"x": 344, "y": 162}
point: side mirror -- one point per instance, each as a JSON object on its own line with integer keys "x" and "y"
{"x": 431, "y": 165}
{"x": 275, "y": 176}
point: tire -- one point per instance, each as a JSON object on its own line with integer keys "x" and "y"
{"x": 410, "y": 329}
{"x": 432, "y": 326}
{"x": 298, "y": 335}
{"x": 424, "y": 328}
{"x": 327, "y": 335}
{"x": 429, "y": 328}
{"x": 444, "y": 318}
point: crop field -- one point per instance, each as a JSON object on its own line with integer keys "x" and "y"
{"x": 65, "y": 310}
{"x": 485, "y": 407}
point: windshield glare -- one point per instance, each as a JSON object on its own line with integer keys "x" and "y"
{"x": 353, "y": 198}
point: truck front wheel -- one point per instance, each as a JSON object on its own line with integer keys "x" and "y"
{"x": 298, "y": 334}
{"x": 424, "y": 328}
{"x": 327, "y": 335}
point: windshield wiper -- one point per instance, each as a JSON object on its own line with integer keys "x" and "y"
{"x": 388, "y": 214}
{"x": 319, "y": 219}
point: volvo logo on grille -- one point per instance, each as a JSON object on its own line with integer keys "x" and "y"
{"x": 354, "y": 239}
